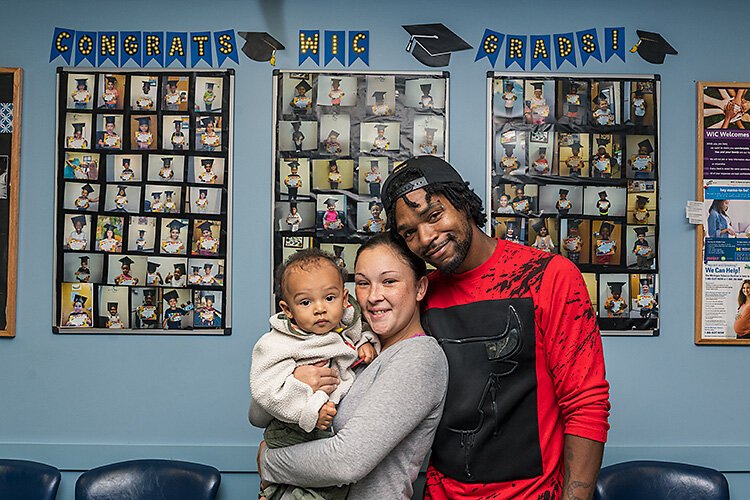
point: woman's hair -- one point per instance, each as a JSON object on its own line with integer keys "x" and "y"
{"x": 741, "y": 299}
{"x": 416, "y": 264}
{"x": 718, "y": 206}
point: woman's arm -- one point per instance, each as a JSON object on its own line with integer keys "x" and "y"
{"x": 389, "y": 412}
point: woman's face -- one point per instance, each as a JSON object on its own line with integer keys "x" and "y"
{"x": 389, "y": 293}
{"x": 725, "y": 205}
{"x": 746, "y": 289}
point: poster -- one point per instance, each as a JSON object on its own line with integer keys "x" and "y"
{"x": 143, "y": 220}
{"x": 337, "y": 137}
{"x": 573, "y": 169}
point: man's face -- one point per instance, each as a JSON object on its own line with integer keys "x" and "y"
{"x": 434, "y": 230}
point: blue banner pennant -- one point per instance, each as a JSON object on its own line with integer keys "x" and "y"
{"x": 490, "y": 46}
{"x": 588, "y": 45}
{"x": 359, "y": 47}
{"x": 85, "y": 47}
{"x": 175, "y": 47}
{"x": 515, "y": 50}
{"x": 130, "y": 47}
{"x": 108, "y": 49}
{"x": 200, "y": 48}
{"x": 564, "y": 49}
{"x": 309, "y": 46}
{"x": 226, "y": 47}
{"x": 335, "y": 47}
{"x": 540, "y": 47}
{"x": 62, "y": 44}
{"x": 153, "y": 47}
{"x": 614, "y": 43}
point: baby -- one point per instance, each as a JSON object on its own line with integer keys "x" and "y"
{"x": 319, "y": 322}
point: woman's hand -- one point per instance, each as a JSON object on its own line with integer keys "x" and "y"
{"x": 325, "y": 416}
{"x": 318, "y": 377}
{"x": 366, "y": 352}
{"x": 261, "y": 447}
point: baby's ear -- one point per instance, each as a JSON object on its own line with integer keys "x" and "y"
{"x": 285, "y": 307}
{"x": 346, "y": 297}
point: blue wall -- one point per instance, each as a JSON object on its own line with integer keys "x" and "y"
{"x": 79, "y": 402}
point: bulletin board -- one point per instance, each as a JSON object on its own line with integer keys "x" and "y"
{"x": 337, "y": 136}
{"x": 573, "y": 169}
{"x": 722, "y": 284}
{"x": 143, "y": 202}
{"x": 11, "y": 84}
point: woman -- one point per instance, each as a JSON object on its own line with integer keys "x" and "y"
{"x": 384, "y": 426}
{"x": 719, "y": 223}
{"x": 742, "y": 320}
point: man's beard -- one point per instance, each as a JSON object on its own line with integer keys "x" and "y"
{"x": 462, "y": 250}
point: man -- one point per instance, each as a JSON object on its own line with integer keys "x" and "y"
{"x": 527, "y": 408}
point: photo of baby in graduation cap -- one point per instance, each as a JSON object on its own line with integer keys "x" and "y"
{"x": 641, "y": 163}
{"x": 575, "y": 240}
{"x": 176, "y": 134}
{"x": 146, "y": 307}
{"x": 143, "y": 132}
{"x": 614, "y": 296}
{"x": 642, "y": 107}
{"x": 605, "y": 103}
{"x": 642, "y": 207}
{"x": 175, "y": 93}
{"x": 80, "y": 91}
{"x": 573, "y": 102}
{"x": 141, "y": 234}
{"x": 81, "y": 166}
{"x": 109, "y": 231}
{"x": 425, "y": 94}
{"x": 371, "y": 217}
{"x": 83, "y": 197}
{"x": 510, "y": 229}
{"x": 511, "y": 153}
{"x": 177, "y": 306}
{"x": 507, "y": 98}
{"x": 76, "y": 301}
{"x": 642, "y": 245}
{"x": 606, "y": 238}
{"x": 80, "y": 268}
{"x": 78, "y": 131}
{"x": 331, "y": 214}
{"x": 377, "y": 138}
{"x": 166, "y": 168}
{"x": 334, "y": 135}
{"x": 207, "y": 309}
{"x": 298, "y": 91}
{"x": 124, "y": 168}
{"x": 298, "y": 135}
{"x": 429, "y": 135}
{"x": 77, "y": 232}
{"x": 204, "y": 200}
{"x": 544, "y": 235}
{"x": 111, "y": 91}
{"x": 573, "y": 155}
{"x": 208, "y": 94}
{"x": 539, "y": 100}
{"x": 208, "y": 133}
{"x": 206, "y": 238}
{"x": 122, "y": 198}
{"x": 645, "y": 300}
{"x": 381, "y": 95}
{"x": 336, "y": 91}
{"x": 173, "y": 236}
{"x": 126, "y": 270}
{"x": 143, "y": 93}
{"x": 206, "y": 170}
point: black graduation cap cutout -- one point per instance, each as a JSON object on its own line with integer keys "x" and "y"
{"x": 642, "y": 199}
{"x": 152, "y": 266}
{"x": 379, "y": 96}
{"x": 112, "y": 305}
{"x": 640, "y": 231}
{"x": 87, "y": 188}
{"x": 127, "y": 261}
{"x": 180, "y": 267}
{"x": 432, "y": 44}
{"x": 167, "y": 161}
{"x": 603, "y": 193}
{"x": 80, "y": 298}
{"x": 563, "y": 191}
{"x": 144, "y": 120}
{"x": 78, "y": 127}
{"x": 205, "y": 226}
{"x": 538, "y": 225}
{"x": 209, "y": 297}
{"x": 574, "y": 223}
{"x": 576, "y": 146}
{"x": 176, "y": 224}
{"x": 331, "y": 202}
{"x": 652, "y": 47}
{"x": 125, "y": 162}
{"x": 206, "y": 266}
{"x": 171, "y": 295}
{"x": 616, "y": 287}
{"x": 111, "y": 79}
{"x": 303, "y": 86}
{"x": 646, "y": 144}
{"x": 84, "y": 258}
{"x": 109, "y": 119}
{"x": 207, "y": 162}
{"x": 78, "y": 218}
{"x": 542, "y": 151}
{"x": 82, "y": 82}
{"x": 606, "y": 226}
{"x": 260, "y": 46}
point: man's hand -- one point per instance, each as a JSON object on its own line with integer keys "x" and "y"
{"x": 261, "y": 447}
{"x": 582, "y": 461}
{"x": 366, "y": 352}
{"x": 325, "y": 416}
{"x": 318, "y": 377}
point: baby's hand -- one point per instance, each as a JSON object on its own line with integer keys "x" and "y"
{"x": 366, "y": 353}
{"x": 325, "y": 416}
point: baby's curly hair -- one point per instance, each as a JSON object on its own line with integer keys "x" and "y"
{"x": 303, "y": 259}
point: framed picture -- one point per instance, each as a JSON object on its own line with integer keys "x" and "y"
{"x": 11, "y": 82}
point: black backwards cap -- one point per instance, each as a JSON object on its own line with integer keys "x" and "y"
{"x": 430, "y": 170}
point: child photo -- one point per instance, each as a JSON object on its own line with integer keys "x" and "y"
{"x": 77, "y": 232}
{"x": 337, "y": 91}
{"x": 124, "y": 168}
{"x": 298, "y": 135}
{"x": 425, "y": 94}
{"x": 561, "y": 200}
{"x": 210, "y": 272}
{"x": 333, "y": 174}
{"x": 143, "y": 93}
{"x": 81, "y": 196}
{"x": 575, "y": 240}
{"x": 177, "y": 309}
{"x": 294, "y": 215}
{"x": 644, "y": 296}
{"x": 510, "y": 228}
{"x": 111, "y": 91}
{"x": 573, "y": 102}
{"x": 208, "y": 94}
{"x": 344, "y": 254}
{"x": 109, "y": 132}
{"x": 81, "y": 166}
{"x": 380, "y": 95}
{"x": 331, "y": 215}
{"x": 77, "y": 305}
{"x": 166, "y": 168}
{"x": 176, "y": 132}
{"x": 507, "y": 99}
{"x": 126, "y": 270}
{"x": 334, "y": 135}
{"x": 207, "y": 307}
{"x": 146, "y": 307}
{"x": 539, "y": 101}
{"x": 377, "y": 138}
{"x": 204, "y": 200}
{"x": 510, "y": 147}
{"x": 294, "y": 177}
{"x": 109, "y": 231}
{"x": 605, "y": 103}
{"x": 174, "y": 236}
{"x": 141, "y": 234}
{"x": 429, "y": 135}
{"x": 297, "y": 94}
{"x": 642, "y": 206}
{"x": 605, "y": 201}
{"x": 80, "y": 91}
{"x": 640, "y": 243}
{"x": 614, "y": 296}
{"x": 175, "y": 93}
{"x": 606, "y": 243}
{"x": 208, "y": 133}
{"x": 122, "y": 198}
{"x": 371, "y": 217}
{"x": 544, "y": 235}
{"x": 640, "y": 156}
{"x": 143, "y": 132}
{"x": 77, "y": 131}
{"x": 206, "y": 240}
{"x": 83, "y": 268}
{"x": 573, "y": 155}
{"x": 372, "y": 172}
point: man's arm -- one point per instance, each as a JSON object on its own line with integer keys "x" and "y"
{"x": 582, "y": 461}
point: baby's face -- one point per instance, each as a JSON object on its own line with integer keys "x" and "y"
{"x": 314, "y": 296}
{"x": 503, "y": 201}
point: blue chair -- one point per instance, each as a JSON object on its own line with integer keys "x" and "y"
{"x": 149, "y": 480}
{"x": 25, "y": 480}
{"x": 650, "y": 480}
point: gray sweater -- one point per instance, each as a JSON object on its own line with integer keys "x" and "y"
{"x": 384, "y": 428}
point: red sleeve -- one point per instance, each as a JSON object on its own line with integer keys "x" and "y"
{"x": 573, "y": 345}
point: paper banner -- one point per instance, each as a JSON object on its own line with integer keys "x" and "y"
{"x": 359, "y": 47}
{"x": 588, "y": 45}
{"x": 564, "y": 49}
{"x": 226, "y": 47}
{"x": 515, "y": 50}
{"x": 200, "y": 48}
{"x": 490, "y": 46}
{"x": 175, "y": 46}
{"x": 130, "y": 47}
{"x": 334, "y": 47}
{"x": 85, "y": 47}
{"x": 614, "y": 43}
{"x": 540, "y": 46}
{"x": 62, "y": 44}
{"x": 309, "y": 45}
{"x": 153, "y": 47}
{"x": 109, "y": 49}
